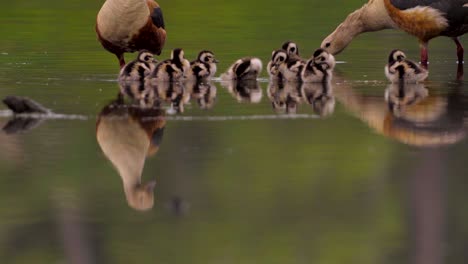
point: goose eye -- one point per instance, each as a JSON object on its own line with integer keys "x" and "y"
{"x": 327, "y": 45}
{"x": 293, "y": 49}
{"x": 322, "y": 58}
{"x": 207, "y": 59}
{"x": 147, "y": 58}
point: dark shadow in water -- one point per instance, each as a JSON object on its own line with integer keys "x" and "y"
{"x": 127, "y": 135}
{"x": 21, "y": 124}
{"x": 409, "y": 115}
{"x": 248, "y": 91}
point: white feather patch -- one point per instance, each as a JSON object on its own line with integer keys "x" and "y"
{"x": 120, "y": 19}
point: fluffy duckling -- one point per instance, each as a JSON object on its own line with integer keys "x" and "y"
{"x": 244, "y": 69}
{"x": 204, "y": 66}
{"x": 291, "y": 48}
{"x": 173, "y": 69}
{"x": 290, "y": 69}
{"x": 138, "y": 69}
{"x": 400, "y": 69}
{"x": 277, "y": 57}
{"x": 319, "y": 68}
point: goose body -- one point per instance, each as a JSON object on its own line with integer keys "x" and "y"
{"x": 129, "y": 26}
{"x": 138, "y": 69}
{"x": 424, "y": 19}
{"x": 319, "y": 68}
{"x": 244, "y": 69}
{"x": 400, "y": 69}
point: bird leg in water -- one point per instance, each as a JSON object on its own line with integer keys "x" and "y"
{"x": 459, "y": 50}
{"x": 121, "y": 60}
{"x": 424, "y": 55}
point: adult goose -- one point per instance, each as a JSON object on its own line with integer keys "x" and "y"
{"x": 129, "y": 26}
{"x": 425, "y": 19}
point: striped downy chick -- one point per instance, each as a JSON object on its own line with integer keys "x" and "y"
{"x": 319, "y": 68}
{"x": 277, "y": 57}
{"x": 291, "y": 48}
{"x": 204, "y": 66}
{"x": 291, "y": 69}
{"x": 400, "y": 69}
{"x": 138, "y": 69}
{"x": 173, "y": 69}
{"x": 244, "y": 69}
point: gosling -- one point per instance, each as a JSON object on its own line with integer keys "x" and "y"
{"x": 173, "y": 69}
{"x": 138, "y": 69}
{"x": 244, "y": 69}
{"x": 319, "y": 68}
{"x": 204, "y": 66}
{"x": 400, "y": 69}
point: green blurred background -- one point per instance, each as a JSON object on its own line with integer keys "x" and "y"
{"x": 332, "y": 190}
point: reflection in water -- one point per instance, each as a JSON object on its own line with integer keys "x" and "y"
{"x": 128, "y": 134}
{"x": 284, "y": 96}
{"x": 320, "y": 97}
{"x": 401, "y": 96}
{"x": 244, "y": 90}
{"x": 203, "y": 92}
{"x": 420, "y": 119}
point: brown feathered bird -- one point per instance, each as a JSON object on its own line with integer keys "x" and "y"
{"x": 129, "y": 26}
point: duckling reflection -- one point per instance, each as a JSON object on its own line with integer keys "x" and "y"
{"x": 127, "y": 135}
{"x": 284, "y": 96}
{"x": 427, "y": 122}
{"x": 320, "y": 97}
{"x": 244, "y": 90}
{"x": 203, "y": 92}
{"x": 138, "y": 93}
{"x": 401, "y": 96}
{"x": 173, "y": 93}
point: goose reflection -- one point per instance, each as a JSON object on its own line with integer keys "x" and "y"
{"x": 138, "y": 93}
{"x": 203, "y": 92}
{"x": 127, "y": 134}
{"x": 409, "y": 114}
{"x": 284, "y": 96}
{"x": 320, "y": 97}
{"x": 248, "y": 91}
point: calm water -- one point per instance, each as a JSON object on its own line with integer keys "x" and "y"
{"x": 244, "y": 173}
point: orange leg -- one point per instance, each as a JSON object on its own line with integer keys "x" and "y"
{"x": 424, "y": 56}
{"x": 121, "y": 59}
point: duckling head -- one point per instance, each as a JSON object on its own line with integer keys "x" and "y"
{"x": 324, "y": 59}
{"x": 207, "y": 57}
{"x": 396, "y": 55}
{"x": 291, "y": 48}
{"x": 279, "y": 57}
{"x": 146, "y": 56}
